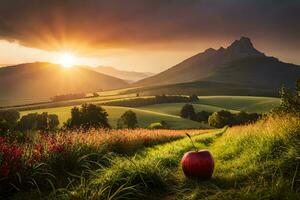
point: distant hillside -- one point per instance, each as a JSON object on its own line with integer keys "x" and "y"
{"x": 130, "y": 76}
{"x": 206, "y": 88}
{"x": 27, "y": 83}
{"x": 239, "y": 64}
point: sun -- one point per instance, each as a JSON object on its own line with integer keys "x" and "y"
{"x": 67, "y": 60}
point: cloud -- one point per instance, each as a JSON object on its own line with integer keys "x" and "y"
{"x": 96, "y": 24}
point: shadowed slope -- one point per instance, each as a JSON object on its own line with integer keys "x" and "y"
{"x": 36, "y": 81}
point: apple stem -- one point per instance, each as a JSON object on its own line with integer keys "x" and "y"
{"x": 192, "y": 142}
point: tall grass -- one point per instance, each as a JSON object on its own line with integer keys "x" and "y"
{"x": 256, "y": 161}
{"x": 51, "y": 161}
{"x": 132, "y": 177}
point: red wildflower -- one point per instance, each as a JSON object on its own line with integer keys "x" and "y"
{"x": 11, "y": 159}
{"x": 57, "y": 148}
{"x": 2, "y": 139}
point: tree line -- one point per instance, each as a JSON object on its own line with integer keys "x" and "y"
{"x": 84, "y": 117}
{"x": 220, "y": 118}
{"x": 158, "y": 99}
{"x": 10, "y": 121}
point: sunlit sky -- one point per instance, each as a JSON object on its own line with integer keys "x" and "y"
{"x": 123, "y": 59}
{"x": 143, "y": 35}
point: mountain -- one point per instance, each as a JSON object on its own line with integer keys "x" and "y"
{"x": 34, "y": 82}
{"x": 130, "y": 76}
{"x": 240, "y": 63}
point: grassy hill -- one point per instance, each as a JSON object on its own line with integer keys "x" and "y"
{"x": 257, "y": 161}
{"x": 200, "y": 88}
{"x": 175, "y": 108}
{"x": 248, "y": 165}
{"x": 34, "y": 82}
{"x": 216, "y": 103}
{"x": 145, "y": 117}
{"x": 168, "y": 112}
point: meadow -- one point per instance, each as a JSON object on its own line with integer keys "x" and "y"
{"x": 168, "y": 112}
{"x": 255, "y": 161}
{"x": 145, "y": 117}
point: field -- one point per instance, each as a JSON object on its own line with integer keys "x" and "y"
{"x": 170, "y": 112}
{"x": 145, "y": 117}
{"x": 256, "y": 161}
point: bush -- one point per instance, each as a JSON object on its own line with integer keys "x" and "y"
{"x": 222, "y": 118}
{"x": 290, "y": 100}
{"x": 88, "y": 116}
{"x": 128, "y": 120}
{"x": 158, "y": 125}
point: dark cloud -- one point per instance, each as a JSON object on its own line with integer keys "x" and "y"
{"x": 92, "y": 24}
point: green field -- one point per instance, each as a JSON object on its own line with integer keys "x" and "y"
{"x": 170, "y": 112}
{"x": 174, "y": 108}
{"x": 145, "y": 117}
{"x": 216, "y": 103}
{"x": 241, "y": 103}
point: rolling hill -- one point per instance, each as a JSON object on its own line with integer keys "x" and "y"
{"x": 145, "y": 117}
{"x": 34, "y": 82}
{"x": 129, "y": 76}
{"x": 239, "y": 64}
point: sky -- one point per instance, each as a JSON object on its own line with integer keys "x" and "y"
{"x": 143, "y": 35}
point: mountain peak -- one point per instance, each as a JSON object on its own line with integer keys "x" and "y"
{"x": 243, "y": 48}
{"x": 210, "y": 51}
{"x": 242, "y": 42}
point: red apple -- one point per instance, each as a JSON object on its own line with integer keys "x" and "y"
{"x": 198, "y": 164}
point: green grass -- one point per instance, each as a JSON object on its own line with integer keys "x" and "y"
{"x": 175, "y": 108}
{"x": 257, "y": 161}
{"x": 145, "y": 117}
{"x": 217, "y": 103}
{"x": 170, "y": 112}
{"x": 241, "y": 103}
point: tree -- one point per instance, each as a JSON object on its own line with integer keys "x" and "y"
{"x": 11, "y": 116}
{"x": 28, "y": 122}
{"x": 53, "y": 122}
{"x": 42, "y": 121}
{"x": 35, "y": 121}
{"x": 128, "y": 120}
{"x": 221, "y": 118}
{"x": 76, "y": 118}
{"x": 8, "y": 120}
{"x": 88, "y": 116}
{"x": 202, "y": 116}
{"x": 290, "y": 101}
{"x": 188, "y": 112}
{"x": 193, "y": 98}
